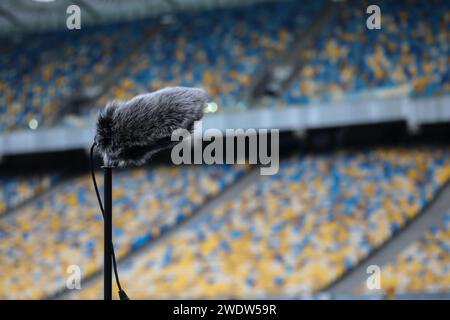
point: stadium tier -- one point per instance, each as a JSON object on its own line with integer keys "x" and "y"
{"x": 146, "y": 204}
{"x": 292, "y": 233}
{"x": 408, "y": 56}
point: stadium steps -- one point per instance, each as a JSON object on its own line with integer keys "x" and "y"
{"x": 230, "y": 192}
{"x": 431, "y": 214}
{"x": 63, "y": 180}
{"x": 292, "y": 58}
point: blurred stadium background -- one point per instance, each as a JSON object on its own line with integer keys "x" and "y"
{"x": 363, "y": 179}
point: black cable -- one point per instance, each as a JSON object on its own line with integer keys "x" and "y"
{"x": 122, "y": 294}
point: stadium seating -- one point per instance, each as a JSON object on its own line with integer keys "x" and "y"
{"x": 408, "y": 55}
{"x": 147, "y": 203}
{"x": 220, "y": 50}
{"x": 218, "y": 56}
{"x": 38, "y": 74}
{"x": 291, "y": 233}
{"x": 16, "y": 190}
{"x": 424, "y": 266}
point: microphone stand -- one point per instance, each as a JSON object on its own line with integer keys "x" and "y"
{"x": 107, "y": 232}
{"x": 108, "y": 250}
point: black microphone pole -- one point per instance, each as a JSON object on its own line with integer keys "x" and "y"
{"x": 117, "y": 142}
{"x": 108, "y": 250}
{"x": 107, "y": 242}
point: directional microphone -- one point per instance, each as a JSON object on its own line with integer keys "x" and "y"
{"x": 130, "y": 132}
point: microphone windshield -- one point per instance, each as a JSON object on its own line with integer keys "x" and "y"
{"x": 130, "y": 132}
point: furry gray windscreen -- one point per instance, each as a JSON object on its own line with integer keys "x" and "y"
{"x": 130, "y": 132}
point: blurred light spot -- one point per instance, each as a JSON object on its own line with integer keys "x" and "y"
{"x": 33, "y": 124}
{"x": 211, "y": 107}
